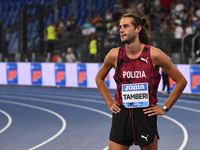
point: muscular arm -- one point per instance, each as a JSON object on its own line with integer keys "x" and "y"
{"x": 109, "y": 62}
{"x": 161, "y": 60}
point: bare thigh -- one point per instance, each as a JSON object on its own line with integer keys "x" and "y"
{"x": 115, "y": 146}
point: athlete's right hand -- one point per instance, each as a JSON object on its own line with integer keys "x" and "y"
{"x": 114, "y": 108}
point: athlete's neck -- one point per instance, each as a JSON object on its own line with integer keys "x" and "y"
{"x": 134, "y": 49}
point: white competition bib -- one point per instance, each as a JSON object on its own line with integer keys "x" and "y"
{"x": 135, "y": 95}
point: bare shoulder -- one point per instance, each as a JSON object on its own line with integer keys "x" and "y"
{"x": 158, "y": 57}
{"x": 111, "y": 57}
{"x": 113, "y": 52}
{"x": 155, "y": 52}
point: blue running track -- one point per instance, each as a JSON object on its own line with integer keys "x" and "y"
{"x": 42, "y": 118}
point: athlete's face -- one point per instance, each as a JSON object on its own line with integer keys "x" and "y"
{"x": 128, "y": 31}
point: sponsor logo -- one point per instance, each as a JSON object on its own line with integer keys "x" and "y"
{"x": 82, "y": 75}
{"x": 145, "y": 137}
{"x": 60, "y": 74}
{"x": 143, "y": 59}
{"x": 134, "y": 87}
{"x": 195, "y": 81}
{"x": 195, "y": 78}
{"x": 36, "y": 74}
{"x": 12, "y": 73}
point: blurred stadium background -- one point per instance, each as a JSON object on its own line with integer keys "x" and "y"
{"x": 29, "y": 58}
{"x": 175, "y": 28}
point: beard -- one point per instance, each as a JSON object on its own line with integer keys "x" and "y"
{"x": 130, "y": 39}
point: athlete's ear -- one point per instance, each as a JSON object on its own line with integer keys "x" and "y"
{"x": 138, "y": 28}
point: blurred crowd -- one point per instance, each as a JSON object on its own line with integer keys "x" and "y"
{"x": 178, "y": 17}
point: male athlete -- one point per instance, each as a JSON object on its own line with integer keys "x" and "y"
{"x": 137, "y": 77}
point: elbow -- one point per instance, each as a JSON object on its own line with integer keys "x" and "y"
{"x": 185, "y": 82}
{"x": 182, "y": 82}
{"x": 97, "y": 79}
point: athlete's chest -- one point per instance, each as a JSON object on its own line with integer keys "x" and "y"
{"x": 138, "y": 68}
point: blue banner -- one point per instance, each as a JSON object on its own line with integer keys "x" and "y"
{"x": 12, "y": 75}
{"x": 60, "y": 74}
{"x": 82, "y": 75}
{"x": 36, "y": 74}
{"x": 195, "y": 78}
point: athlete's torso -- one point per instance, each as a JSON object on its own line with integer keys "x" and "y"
{"x": 138, "y": 70}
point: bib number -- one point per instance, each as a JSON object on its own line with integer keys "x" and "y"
{"x": 135, "y": 95}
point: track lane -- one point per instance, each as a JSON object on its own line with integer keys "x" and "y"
{"x": 65, "y": 95}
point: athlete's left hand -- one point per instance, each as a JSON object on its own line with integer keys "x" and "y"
{"x": 154, "y": 109}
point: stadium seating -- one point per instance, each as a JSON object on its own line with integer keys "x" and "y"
{"x": 10, "y": 11}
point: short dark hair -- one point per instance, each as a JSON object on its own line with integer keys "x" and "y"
{"x": 138, "y": 20}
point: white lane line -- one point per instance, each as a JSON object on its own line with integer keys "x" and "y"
{"x": 63, "y": 95}
{"x": 68, "y": 104}
{"x": 185, "y": 139}
{"x": 53, "y": 96}
{"x": 188, "y": 101}
{"x": 92, "y": 101}
{"x": 63, "y": 103}
{"x": 85, "y": 97}
{"x": 185, "y": 133}
{"x": 9, "y": 121}
{"x": 46, "y": 110}
{"x": 187, "y": 108}
{"x": 182, "y": 100}
{"x": 184, "y": 108}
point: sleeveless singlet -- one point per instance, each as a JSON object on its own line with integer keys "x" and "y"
{"x": 138, "y": 70}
